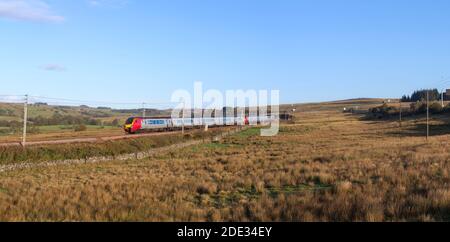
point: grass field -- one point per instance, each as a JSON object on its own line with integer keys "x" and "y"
{"x": 325, "y": 166}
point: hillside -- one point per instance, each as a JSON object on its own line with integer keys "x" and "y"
{"x": 362, "y": 103}
{"x": 47, "y": 121}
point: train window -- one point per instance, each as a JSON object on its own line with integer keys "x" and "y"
{"x": 155, "y": 122}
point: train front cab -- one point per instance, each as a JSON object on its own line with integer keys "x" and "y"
{"x": 128, "y": 125}
{"x": 132, "y": 125}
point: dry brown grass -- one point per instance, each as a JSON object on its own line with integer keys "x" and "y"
{"x": 326, "y": 166}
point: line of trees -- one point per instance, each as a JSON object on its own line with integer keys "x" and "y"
{"x": 421, "y": 95}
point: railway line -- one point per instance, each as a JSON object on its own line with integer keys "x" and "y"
{"x": 153, "y": 126}
{"x": 87, "y": 140}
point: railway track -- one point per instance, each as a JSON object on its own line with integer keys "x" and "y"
{"x": 87, "y": 140}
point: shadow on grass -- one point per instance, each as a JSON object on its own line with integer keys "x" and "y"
{"x": 251, "y": 193}
{"x": 420, "y": 130}
{"x": 412, "y": 127}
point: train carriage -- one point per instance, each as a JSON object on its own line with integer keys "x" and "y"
{"x": 155, "y": 123}
{"x": 209, "y": 121}
{"x": 139, "y": 124}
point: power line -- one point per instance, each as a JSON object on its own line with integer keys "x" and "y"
{"x": 53, "y": 101}
{"x": 100, "y": 102}
{"x": 11, "y": 101}
{"x": 3, "y": 95}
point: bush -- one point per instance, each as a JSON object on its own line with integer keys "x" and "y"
{"x": 421, "y": 107}
{"x": 418, "y": 107}
{"x": 436, "y": 108}
{"x": 383, "y": 111}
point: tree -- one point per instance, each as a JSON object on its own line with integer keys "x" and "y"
{"x": 406, "y": 98}
{"x": 421, "y": 95}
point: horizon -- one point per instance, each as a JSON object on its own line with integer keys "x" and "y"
{"x": 98, "y": 104}
{"x": 130, "y": 51}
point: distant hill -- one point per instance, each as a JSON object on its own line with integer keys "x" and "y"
{"x": 14, "y": 112}
{"x": 362, "y": 103}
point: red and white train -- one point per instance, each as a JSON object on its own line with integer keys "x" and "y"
{"x": 140, "y": 124}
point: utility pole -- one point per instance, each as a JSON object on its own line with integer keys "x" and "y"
{"x": 442, "y": 97}
{"x": 400, "y": 113}
{"x": 25, "y": 117}
{"x": 182, "y": 118}
{"x": 143, "y": 110}
{"x": 428, "y": 115}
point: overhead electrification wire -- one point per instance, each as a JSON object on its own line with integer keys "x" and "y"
{"x": 99, "y": 102}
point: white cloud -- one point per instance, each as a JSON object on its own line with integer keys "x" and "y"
{"x": 108, "y": 3}
{"x": 53, "y": 67}
{"x": 28, "y": 10}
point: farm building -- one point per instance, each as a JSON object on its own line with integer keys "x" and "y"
{"x": 447, "y": 95}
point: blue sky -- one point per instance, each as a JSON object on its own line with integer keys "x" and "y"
{"x": 134, "y": 50}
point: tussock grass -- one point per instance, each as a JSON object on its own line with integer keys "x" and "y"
{"x": 345, "y": 170}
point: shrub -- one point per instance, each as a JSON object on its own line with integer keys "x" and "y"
{"x": 418, "y": 107}
{"x": 383, "y": 111}
{"x": 436, "y": 108}
{"x": 421, "y": 107}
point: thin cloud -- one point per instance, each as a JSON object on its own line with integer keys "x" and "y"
{"x": 108, "y": 3}
{"x": 54, "y": 67}
{"x": 28, "y": 10}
